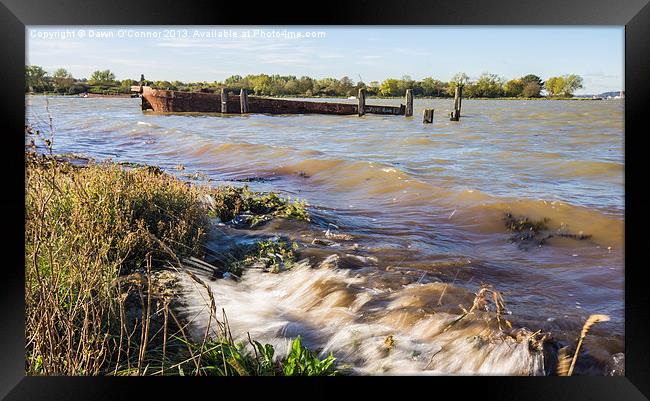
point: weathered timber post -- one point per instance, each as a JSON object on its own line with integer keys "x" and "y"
{"x": 224, "y": 100}
{"x": 143, "y": 105}
{"x": 409, "y": 103}
{"x": 427, "y": 116}
{"x": 243, "y": 101}
{"x": 362, "y": 101}
{"x": 458, "y": 96}
{"x": 143, "y": 102}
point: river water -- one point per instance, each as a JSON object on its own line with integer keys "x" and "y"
{"x": 424, "y": 206}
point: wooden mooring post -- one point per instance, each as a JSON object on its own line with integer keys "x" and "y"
{"x": 458, "y": 98}
{"x": 243, "y": 101}
{"x": 427, "y": 116}
{"x": 409, "y": 103}
{"x": 362, "y": 101}
{"x": 224, "y": 100}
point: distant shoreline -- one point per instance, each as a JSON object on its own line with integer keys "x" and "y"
{"x": 126, "y": 95}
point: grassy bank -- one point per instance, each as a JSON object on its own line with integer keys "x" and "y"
{"x": 103, "y": 244}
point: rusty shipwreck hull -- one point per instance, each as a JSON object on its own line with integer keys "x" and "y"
{"x": 160, "y": 100}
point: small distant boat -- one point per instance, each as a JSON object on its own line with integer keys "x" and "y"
{"x": 352, "y": 97}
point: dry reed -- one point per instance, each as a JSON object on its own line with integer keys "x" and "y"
{"x": 85, "y": 230}
{"x": 593, "y": 319}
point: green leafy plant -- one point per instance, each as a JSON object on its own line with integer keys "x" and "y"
{"x": 223, "y": 358}
{"x": 270, "y": 255}
{"x": 264, "y": 356}
{"x": 227, "y": 358}
{"x": 230, "y": 202}
{"x": 275, "y": 255}
{"x": 302, "y": 362}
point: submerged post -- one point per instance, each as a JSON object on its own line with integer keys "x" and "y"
{"x": 458, "y": 96}
{"x": 243, "y": 101}
{"x": 143, "y": 104}
{"x": 224, "y": 100}
{"x": 362, "y": 101}
{"x": 427, "y": 116}
{"x": 409, "y": 103}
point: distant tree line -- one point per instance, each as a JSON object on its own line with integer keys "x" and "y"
{"x": 37, "y": 80}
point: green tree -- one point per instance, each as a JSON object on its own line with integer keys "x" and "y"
{"x": 125, "y": 85}
{"x": 554, "y": 86}
{"x": 164, "y": 85}
{"x": 390, "y": 87}
{"x": 105, "y": 77}
{"x": 35, "y": 79}
{"x": 306, "y": 85}
{"x": 62, "y": 80}
{"x": 532, "y": 78}
{"x": 564, "y": 85}
{"x": 460, "y": 79}
{"x": 405, "y": 83}
{"x": 532, "y": 85}
{"x": 572, "y": 83}
{"x": 292, "y": 87}
{"x": 345, "y": 87}
{"x": 359, "y": 85}
{"x": 278, "y": 82}
{"x": 470, "y": 89}
{"x": 514, "y": 87}
{"x": 261, "y": 84}
{"x": 326, "y": 86}
{"x": 432, "y": 87}
{"x": 531, "y": 89}
{"x": 373, "y": 88}
{"x": 488, "y": 85}
{"x": 78, "y": 87}
{"x": 233, "y": 81}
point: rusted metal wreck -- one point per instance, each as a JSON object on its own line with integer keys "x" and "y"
{"x": 232, "y": 103}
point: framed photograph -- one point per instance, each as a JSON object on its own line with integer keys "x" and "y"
{"x": 433, "y": 192}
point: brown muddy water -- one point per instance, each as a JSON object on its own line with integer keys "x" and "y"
{"x": 422, "y": 208}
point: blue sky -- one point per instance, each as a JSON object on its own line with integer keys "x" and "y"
{"x": 372, "y": 53}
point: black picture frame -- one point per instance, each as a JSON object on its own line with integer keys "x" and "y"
{"x": 633, "y": 14}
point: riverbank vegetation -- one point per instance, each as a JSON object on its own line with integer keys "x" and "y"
{"x": 37, "y": 80}
{"x": 103, "y": 251}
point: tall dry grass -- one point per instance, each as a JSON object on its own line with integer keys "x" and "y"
{"x": 85, "y": 229}
{"x": 100, "y": 241}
